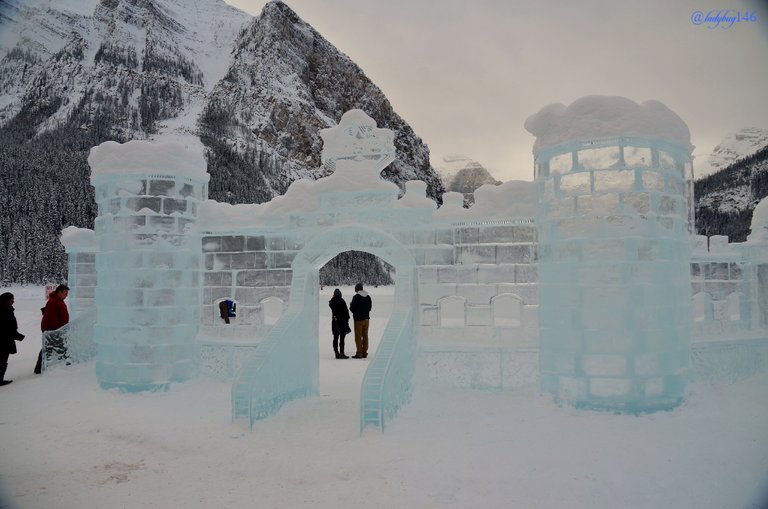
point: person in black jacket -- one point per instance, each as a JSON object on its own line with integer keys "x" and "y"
{"x": 9, "y": 334}
{"x": 361, "y": 308}
{"x": 339, "y": 323}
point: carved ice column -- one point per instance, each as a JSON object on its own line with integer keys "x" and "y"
{"x": 756, "y": 252}
{"x": 81, "y": 247}
{"x": 148, "y": 266}
{"x": 614, "y": 233}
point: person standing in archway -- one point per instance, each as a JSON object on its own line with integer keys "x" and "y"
{"x": 361, "y": 306}
{"x": 339, "y": 323}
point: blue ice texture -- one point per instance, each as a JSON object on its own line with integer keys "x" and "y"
{"x": 148, "y": 291}
{"x": 587, "y": 281}
{"x": 614, "y": 278}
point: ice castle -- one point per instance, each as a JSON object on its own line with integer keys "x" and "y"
{"x": 587, "y": 280}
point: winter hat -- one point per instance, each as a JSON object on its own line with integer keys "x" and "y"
{"x": 358, "y": 287}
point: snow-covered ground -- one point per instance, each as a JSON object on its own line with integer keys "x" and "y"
{"x": 65, "y": 443}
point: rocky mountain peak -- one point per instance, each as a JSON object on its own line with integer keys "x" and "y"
{"x": 286, "y": 83}
{"x": 149, "y": 14}
{"x": 276, "y": 9}
{"x": 735, "y": 146}
{"x": 463, "y": 175}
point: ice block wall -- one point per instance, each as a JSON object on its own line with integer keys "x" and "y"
{"x": 147, "y": 296}
{"x": 81, "y": 247}
{"x": 249, "y": 270}
{"x": 723, "y": 288}
{"x": 613, "y": 221}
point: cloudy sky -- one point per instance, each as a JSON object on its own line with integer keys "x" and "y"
{"x": 466, "y": 74}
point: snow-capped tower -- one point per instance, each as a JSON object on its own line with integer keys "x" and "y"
{"x": 614, "y": 221}
{"x": 147, "y": 294}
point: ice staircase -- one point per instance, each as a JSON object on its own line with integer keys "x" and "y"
{"x": 387, "y": 384}
{"x": 284, "y": 366}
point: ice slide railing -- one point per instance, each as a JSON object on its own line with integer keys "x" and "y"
{"x": 278, "y": 372}
{"x": 388, "y": 381}
{"x": 72, "y": 344}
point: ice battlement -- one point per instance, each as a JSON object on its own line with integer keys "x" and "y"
{"x": 148, "y": 157}
{"x": 606, "y": 117}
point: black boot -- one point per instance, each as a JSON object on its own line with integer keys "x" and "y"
{"x": 39, "y": 365}
{"x": 336, "y": 347}
{"x": 3, "y": 381}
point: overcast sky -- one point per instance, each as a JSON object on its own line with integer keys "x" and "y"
{"x": 466, "y": 74}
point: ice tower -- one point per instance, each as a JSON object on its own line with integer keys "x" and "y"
{"x": 147, "y": 294}
{"x": 614, "y": 221}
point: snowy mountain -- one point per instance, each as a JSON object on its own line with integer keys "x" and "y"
{"x": 736, "y": 146}
{"x": 464, "y": 175}
{"x": 451, "y": 165}
{"x": 285, "y": 83}
{"x": 135, "y": 61}
{"x": 724, "y": 201}
{"x": 256, "y": 90}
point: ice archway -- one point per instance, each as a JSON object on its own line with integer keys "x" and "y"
{"x": 291, "y": 370}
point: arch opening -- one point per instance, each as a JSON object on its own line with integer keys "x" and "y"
{"x": 271, "y": 310}
{"x": 386, "y": 384}
{"x": 507, "y": 310}
{"x": 225, "y": 311}
{"x": 340, "y": 378}
{"x": 289, "y": 367}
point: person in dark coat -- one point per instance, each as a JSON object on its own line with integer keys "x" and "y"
{"x": 9, "y": 334}
{"x": 361, "y": 306}
{"x": 339, "y": 323}
{"x": 55, "y": 316}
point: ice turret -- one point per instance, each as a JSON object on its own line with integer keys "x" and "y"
{"x": 147, "y": 295}
{"x": 613, "y": 181}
